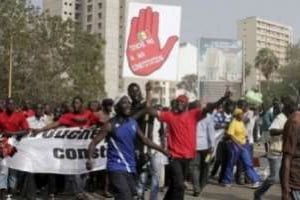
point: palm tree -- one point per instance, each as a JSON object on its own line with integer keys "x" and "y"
{"x": 267, "y": 63}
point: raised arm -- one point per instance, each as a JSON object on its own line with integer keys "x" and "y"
{"x": 276, "y": 132}
{"x": 214, "y": 105}
{"x": 46, "y": 128}
{"x": 99, "y": 137}
{"x": 148, "y": 102}
{"x": 153, "y": 112}
{"x": 16, "y": 133}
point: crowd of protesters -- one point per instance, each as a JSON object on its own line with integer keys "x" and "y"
{"x": 151, "y": 146}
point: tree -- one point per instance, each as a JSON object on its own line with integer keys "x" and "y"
{"x": 14, "y": 19}
{"x": 53, "y": 60}
{"x": 290, "y": 75}
{"x": 267, "y": 62}
{"x": 291, "y": 72}
{"x": 189, "y": 83}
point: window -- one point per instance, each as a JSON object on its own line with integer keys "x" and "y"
{"x": 70, "y": 14}
{"x": 89, "y": 1}
{"x": 89, "y": 28}
{"x": 77, "y": 6}
{"x": 89, "y": 18}
{"x": 99, "y": 5}
{"x": 77, "y": 16}
{"x": 90, "y": 8}
{"x": 100, "y": 15}
{"x": 65, "y": 13}
{"x": 99, "y": 25}
{"x": 66, "y": 3}
{"x": 70, "y": 4}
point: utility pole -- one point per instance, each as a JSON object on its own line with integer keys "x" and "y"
{"x": 10, "y": 67}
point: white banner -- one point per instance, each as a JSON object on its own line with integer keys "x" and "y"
{"x": 152, "y": 41}
{"x": 59, "y": 151}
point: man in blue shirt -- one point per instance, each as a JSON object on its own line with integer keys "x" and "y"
{"x": 122, "y": 132}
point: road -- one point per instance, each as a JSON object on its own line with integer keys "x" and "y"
{"x": 236, "y": 192}
{"x": 212, "y": 192}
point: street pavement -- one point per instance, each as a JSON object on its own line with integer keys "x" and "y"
{"x": 236, "y": 192}
{"x": 212, "y": 192}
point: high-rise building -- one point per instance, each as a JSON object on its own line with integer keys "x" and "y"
{"x": 106, "y": 18}
{"x": 65, "y": 9}
{"x": 257, "y": 33}
{"x": 188, "y": 60}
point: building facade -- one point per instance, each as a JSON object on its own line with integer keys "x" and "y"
{"x": 65, "y": 9}
{"x": 188, "y": 59}
{"x": 257, "y": 33}
{"x": 164, "y": 92}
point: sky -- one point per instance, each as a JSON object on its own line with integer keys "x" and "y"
{"x": 218, "y": 18}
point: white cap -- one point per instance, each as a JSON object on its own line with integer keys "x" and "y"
{"x": 119, "y": 97}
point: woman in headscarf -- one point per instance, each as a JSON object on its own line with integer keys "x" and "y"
{"x": 238, "y": 148}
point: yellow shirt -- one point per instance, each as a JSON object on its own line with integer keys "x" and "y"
{"x": 237, "y": 130}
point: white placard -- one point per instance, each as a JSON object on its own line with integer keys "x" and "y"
{"x": 152, "y": 41}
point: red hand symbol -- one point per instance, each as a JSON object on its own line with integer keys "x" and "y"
{"x": 144, "y": 52}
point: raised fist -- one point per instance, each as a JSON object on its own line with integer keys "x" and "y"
{"x": 144, "y": 52}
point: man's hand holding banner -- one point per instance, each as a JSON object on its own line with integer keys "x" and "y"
{"x": 59, "y": 151}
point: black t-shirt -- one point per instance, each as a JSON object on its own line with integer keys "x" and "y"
{"x": 142, "y": 122}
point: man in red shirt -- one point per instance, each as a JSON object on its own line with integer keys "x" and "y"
{"x": 181, "y": 140}
{"x": 79, "y": 117}
{"x": 26, "y": 109}
{"x": 12, "y": 123}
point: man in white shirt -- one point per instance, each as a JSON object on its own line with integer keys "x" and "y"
{"x": 37, "y": 121}
{"x": 205, "y": 145}
{"x": 275, "y": 152}
{"x": 158, "y": 160}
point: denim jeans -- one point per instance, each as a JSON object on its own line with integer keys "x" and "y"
{"x": 239, "y": 153}
{"x": 241, "y": 177}
{"x": 275, "y": 163}
{"x": 295, "y": 195}
{"x": 142, "y": 181}
{"x": 156, "y": 169}
{"x": 143, "y": 171}
{"x": 8, "y": 178}
{"x": 200, "y": 170}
